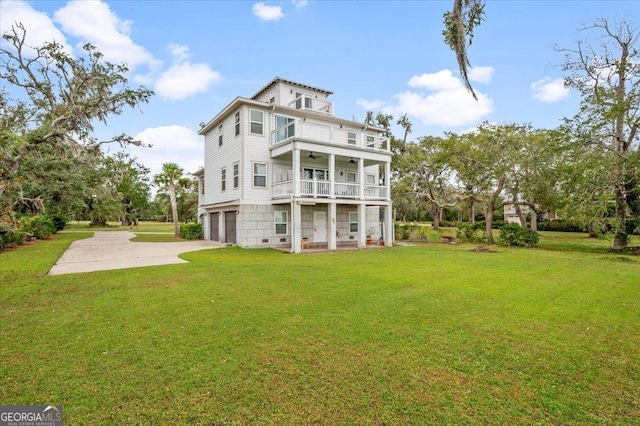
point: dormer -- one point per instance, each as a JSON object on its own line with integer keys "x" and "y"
{"x": 295, "y": 95}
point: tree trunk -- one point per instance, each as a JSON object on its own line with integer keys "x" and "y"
{"x": 174, "y": 210}
{"x": 523, "y": 220}
{"x": 472, "y": 211}
{"x": 488, "y": 220}
{"x": 435, "y": 212}
{"x": 620, "y": 237}
{"x": 534, "y": 220}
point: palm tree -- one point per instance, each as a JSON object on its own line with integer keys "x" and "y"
{"x": 170, "y": 178}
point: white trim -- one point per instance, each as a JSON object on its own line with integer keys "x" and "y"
{"x": 253, "y": 174}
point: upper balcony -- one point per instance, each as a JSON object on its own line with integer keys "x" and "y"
{"x": 308, "y": 103}
{"x": 302, "y": 130}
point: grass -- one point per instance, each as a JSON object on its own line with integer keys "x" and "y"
{"x": 426, "y": 334}
{"x": 115, "y": 226}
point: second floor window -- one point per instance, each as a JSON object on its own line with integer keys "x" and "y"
{"x": 351, "y": 138}
{"x": 260, "y": 175}
{"x": 220, "y": 130}
{"x": 236, "y": 175}
{"x": 257, "y": 122}
{"x": 237, "y": 123}
{"x": 223, "y": 179}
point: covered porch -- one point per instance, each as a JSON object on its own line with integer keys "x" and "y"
{"x": 329, "y": 225}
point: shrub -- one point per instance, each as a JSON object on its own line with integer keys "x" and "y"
{"x": 562, "y": 225}
{"x": 515, "y": 235}
{"x": 59, "y": 222}
{"x": 11, "y": 238}
{"x": 471, "y": 232}
{"x": 40, "y": 227}
{"x": 412, "y": 232}
{"x": 191, "y": 231}
{"x": 448, "y": 224}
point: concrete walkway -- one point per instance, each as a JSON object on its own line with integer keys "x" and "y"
{"x": 113, "y": 250}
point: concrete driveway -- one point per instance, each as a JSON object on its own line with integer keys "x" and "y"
{"x": 113, "y": 250}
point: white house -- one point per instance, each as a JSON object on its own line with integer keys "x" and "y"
{"x": 282, "y": 171}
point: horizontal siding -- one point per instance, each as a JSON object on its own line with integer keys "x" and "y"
{"x": 217, "y": 157}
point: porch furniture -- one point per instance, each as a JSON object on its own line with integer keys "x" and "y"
{"x": 305, "y": 243}
{"x": 448, "y": 239}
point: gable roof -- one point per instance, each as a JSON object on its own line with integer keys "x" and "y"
{"x": 277, "y": 80}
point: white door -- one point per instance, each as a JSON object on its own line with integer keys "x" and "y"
{"x": 319, "y": 227}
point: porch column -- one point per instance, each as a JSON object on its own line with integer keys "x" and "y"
{"x": 332, "y": 175}
{"x": 362, "y": 224}
{"x": 387, "y": 181}
{"x": 333, "y": 244}
{"x": 361, "y": 176}
{"x": 388, "y": 226}
{"x": 296, "y": 172}
{"x": 296, "y": 226}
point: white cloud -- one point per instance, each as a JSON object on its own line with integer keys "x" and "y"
{"x": 94, "y": 22}
{"x": 183, "y": 80}
{"x": 267, "y": 13}
{"x": 369, "y": 105}
{"x": 549, "y": 90}
{"x": 179, "y": 51}
{"x": 40, "y": 28}
{"x": 448, "y": 108}
{"x": 299, "y": 4}
{"x": 441, "y": 80}
{"x": 175, "y": 144}
{"x": 439, "y": 99}
{"x": 481, "y": 74}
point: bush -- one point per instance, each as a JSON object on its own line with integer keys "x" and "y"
{"x": 40, "y": 227}
{"x": 448, "y": 224}
{"x": 59, "y": 222}
{"x": 514, "y": 235}
{"x": 562, "y": 225}
{"x": 471, "y": 232}
{"x": 11, "y": 238}
{"x": 412, "y": 232}
{"x": 191, "y": 231}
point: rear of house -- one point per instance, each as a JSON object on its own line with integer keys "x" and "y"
{"x": 282, "y": 171}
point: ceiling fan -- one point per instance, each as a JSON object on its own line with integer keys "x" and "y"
{"x": 314, "y": 156}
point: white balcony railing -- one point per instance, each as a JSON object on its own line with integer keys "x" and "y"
{"x": 312, "y": 104}
{"x": 300, "y": 129}
{"x": 318, "y": 188}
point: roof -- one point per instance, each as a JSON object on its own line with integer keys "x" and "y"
{"x": 277, "y": 80}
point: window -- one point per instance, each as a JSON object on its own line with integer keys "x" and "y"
{"x": 285, "y": 128}
{"x": 201, "y": 182}
{"x": 281, "y": 222}
{"x": 223, "y": 179}
{"x": 220, "y": 129}
{"x": 371, "y": 140}
{"x": 351, "y": 138}
{"x": 318, "y": 174}
{"x": 307, "y": 101}
{"x": 353, "y": 222}
{"x": 260, "y": 175}
{"x": 237, "y": 121}
{"x": 351, "y": 177}
{"x": 257, "y": 122}
{"x": 236, "y": 175}
{"x": 371, "y": 179}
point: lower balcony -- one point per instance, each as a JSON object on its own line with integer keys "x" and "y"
{"x": 322, "y": 189}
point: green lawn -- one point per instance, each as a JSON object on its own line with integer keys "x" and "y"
{"x": 408, "y": 335}
{"x": 115, "y": 226}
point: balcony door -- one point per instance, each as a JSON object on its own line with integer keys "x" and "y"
{"x": 319, "y": 227}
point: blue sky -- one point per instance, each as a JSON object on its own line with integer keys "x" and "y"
{"x": 380, "y": 55}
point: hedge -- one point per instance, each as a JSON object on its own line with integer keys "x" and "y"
{"x": 191, "y": 231}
